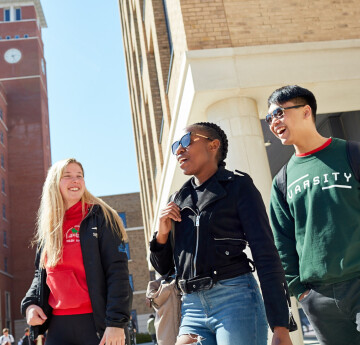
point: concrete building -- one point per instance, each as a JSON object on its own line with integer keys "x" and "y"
{"x": 218, "y": 60}
{"x": 24, "y": 149}
{"x": 128, "y": 207}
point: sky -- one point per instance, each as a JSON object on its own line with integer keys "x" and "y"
{"x": 89, "y": 109}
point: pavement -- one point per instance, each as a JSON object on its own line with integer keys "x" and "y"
{"x": 310, "y": 338}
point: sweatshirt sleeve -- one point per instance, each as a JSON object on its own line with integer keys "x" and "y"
{"x": 257, "y": 229}
{"x": 283, "y": 227}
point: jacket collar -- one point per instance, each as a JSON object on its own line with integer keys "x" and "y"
{"x": 215, "y": 191}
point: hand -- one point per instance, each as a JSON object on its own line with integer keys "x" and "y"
{"x": 303, "y": 295}
{"x": 167, "y": 214}
{"x": 35, "y": 316}
{"x": 113, "y": 336}
{"x": 281, "y": 336}
{"x": 148, "y": 302}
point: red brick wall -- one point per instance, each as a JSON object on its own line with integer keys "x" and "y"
{"x": 234, "y": 23}
{"x": 19, "y": 28}
{"x": 5, "y": 281}
{"x": 27, "y": 151}
{"x": 28, "y": 12}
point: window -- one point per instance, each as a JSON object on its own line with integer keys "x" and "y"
{"x": 17, "y": 37}
{"x": 5, "y": 264}
{"x": 152, "y": 275}
{"x": 5, "y": 239}
{"x": 4, "y": 211}
{"x": 8, "y": 37}
{"x": 3, "y": 185}
{"x": 131, "y": 281}
{"x": 123, "y": 217}
{"x": 143, "y": 11}
{"x": 170, "y": 42}
{"x": 2, "y": 161}
{"x": 7, "y": 310}
{"x": 26, "y": 36}
{"x": 17, "y": 13}
{"x": 1, "y": 115}
{"x": 6, "y": 14}
{"x": 161, "y": 130}
{"x": 2, "y": 137}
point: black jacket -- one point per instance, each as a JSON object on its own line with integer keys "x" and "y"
{"x": 210, "y": 240}
{"x": 25, "y": 340}
{"x": 107, "y": 276}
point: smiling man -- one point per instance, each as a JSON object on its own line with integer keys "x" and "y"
{"x": 315, "y": 216}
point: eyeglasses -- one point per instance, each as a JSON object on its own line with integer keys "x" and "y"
{"x": 185, "y": 141}
{"x": 278, "y": 113}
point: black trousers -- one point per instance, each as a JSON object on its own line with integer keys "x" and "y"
{"x": 334, "y": 312}
{"x": 72, "y": 330}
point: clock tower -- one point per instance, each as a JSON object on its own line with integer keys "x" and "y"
{"x": 24, "y": 149}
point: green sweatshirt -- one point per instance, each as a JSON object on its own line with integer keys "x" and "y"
{"x": 319, "y": 238}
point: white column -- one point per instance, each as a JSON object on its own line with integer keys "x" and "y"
{"x": 239, "y": 118}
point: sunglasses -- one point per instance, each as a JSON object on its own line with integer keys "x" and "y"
{"x": 278, "y": 113}
{"x": 185, "y": 141}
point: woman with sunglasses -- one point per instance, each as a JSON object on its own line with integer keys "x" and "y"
{"x": 217, "y": 213}
{"x": 80, "y": 292}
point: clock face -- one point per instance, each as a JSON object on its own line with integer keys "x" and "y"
{"x": 12, "y": 55}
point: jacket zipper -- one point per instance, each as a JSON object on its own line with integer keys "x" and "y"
{"x": 197, "y": 224}
{"x": 232, "y": 239}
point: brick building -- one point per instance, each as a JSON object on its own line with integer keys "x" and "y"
{"x": 218, "y": 60}
{"x": 24, "y": 149}
{"x": 128, "y": 207}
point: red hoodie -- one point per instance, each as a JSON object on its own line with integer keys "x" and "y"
{"x": 69, "y": 293}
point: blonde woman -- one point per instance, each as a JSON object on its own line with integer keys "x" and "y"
{"x": 80, "y": 292}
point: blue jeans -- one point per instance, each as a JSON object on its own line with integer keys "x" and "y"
{"x": 231, "y": 313}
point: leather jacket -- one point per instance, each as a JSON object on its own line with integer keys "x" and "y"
{"x": 107, "y": 276}
{"x": 211, "y": 238}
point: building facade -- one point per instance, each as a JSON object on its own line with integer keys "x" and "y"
{"x": 218, "y": 60}
{"x": 128, "y": 207}
{"x": 24, "y": 149}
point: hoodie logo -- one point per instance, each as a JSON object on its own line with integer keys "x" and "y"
{"x": 72, "y": 234}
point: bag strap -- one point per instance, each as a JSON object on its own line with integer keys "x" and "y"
{"x": 172, "y": 238}
{"x": 172, "y": 231}
{"x": 281, "y": 181}
{"x": 292, "y": 323}
{"x": 353, "y": 155}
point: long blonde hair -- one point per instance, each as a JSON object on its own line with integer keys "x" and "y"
{"x": 49, "y": 232}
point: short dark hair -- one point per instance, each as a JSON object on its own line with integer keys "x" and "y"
{"x": 215, "y": 132}
{"x": 295, "y": 94}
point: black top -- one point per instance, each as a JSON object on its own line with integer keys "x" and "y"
{"x": 228, "y": 214}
